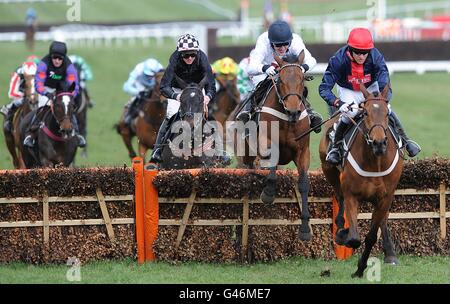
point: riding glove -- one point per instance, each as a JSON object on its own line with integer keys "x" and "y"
{"x": 270, "y": 70}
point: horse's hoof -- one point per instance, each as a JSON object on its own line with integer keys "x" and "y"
{"x": 341, "y": 236}
{"x": 353, "y": 243}
{"x": 357, "y": 274}
{"x": 267, "y": 199}
{"x": 391, "y": 260}
{"x": 305, "y": 236}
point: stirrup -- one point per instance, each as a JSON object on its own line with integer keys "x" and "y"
{"x": 29, "y": 141}
{"x": 334, "y": 156}
{"x": 244, "y": 116}
{"x": 81, "y": 141}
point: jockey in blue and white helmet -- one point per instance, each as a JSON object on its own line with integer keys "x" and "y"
{"x": 139, "y": 85}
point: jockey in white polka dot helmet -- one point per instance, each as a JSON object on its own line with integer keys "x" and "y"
{"x": 187, "y": 42}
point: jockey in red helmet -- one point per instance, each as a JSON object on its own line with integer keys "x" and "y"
{"x": 355, "y": 63}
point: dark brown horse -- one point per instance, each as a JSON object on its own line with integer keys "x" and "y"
{"x": 146, "y": 125}
{"x": 226, "y": 99}
{"x": 284, "y": 112}
{"x": 12, "y": 138}
{"x": 56, "y": 143}
{"x": 370, "y": 174}
{"x": 194, "y": 144}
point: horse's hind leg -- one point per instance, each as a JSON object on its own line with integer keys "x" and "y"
{"x": 388, "y": 246}
{"x": 270, "y": 190}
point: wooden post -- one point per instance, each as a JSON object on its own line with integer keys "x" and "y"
{"x": 138, "y": 168}
{"x": 442, "y": 207}
{"x": 187, "y": 213}
{"x": 151, "y": 212}
{"x": 105, "y": 214}
{"x": 45, "y": 218}
{"x": 245, "y": 216}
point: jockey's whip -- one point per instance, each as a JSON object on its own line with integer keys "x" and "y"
{"x": 312, "y": 129}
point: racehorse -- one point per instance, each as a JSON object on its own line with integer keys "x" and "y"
{"x": 193, "y": 150}
{"x": 283, "y": 105}
{"x": 370, "y": 173}
{"x": 146, "y": 125}
{"x": 226, "y": 99}
{"x": 56, "y": 143}
{"x": 12, "y": 138}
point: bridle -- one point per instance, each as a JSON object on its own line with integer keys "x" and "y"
{"x": 368, "y": 131}
{"x": 65, "y": 116}
{"x": 281, "y": 99}
{"x": 190, "y": 112}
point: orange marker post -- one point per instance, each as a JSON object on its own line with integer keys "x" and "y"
{"x": 151, "y": 217}
{"x": 138, "y": 168}
{"x": 342, "y": 252}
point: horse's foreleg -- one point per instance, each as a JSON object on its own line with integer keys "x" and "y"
{"x": 351, "y": 209}
{"x": 388, "y": 246}
{"x": 341, "y": 233}
{"x": 270, "y": 190}
{"x": 10, "y": 144}
{"x": 127, "y": 135}
{"x": 303, "y": 187}
{"x": 378, "y": 216}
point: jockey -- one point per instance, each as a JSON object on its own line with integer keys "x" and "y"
{"x": 244, "y": 82}
{"x": 357, "y": 62}
{"x": 279, "y": 41}
{"x": 16, "y": 89}
{"x": 139, "y": 85}
{"x": 54, "y": 71}
{"x": 85, "y": 74}
{"x": 190, "y": 64}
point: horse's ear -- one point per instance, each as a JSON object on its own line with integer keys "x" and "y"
{"x": 279, "y": 61}
{"x": 363, "y": 89}
{"x": 301, "y": 57}
{"x": 203, "y": 82}
{"x": 386, "y": 90}
{"x": 181, "y": 82}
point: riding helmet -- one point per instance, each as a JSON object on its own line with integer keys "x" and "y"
{"x": 280, "y": 32}
{"x": 187, "y": 42}
{"x": 58, "y": 47}
{"x": 360, "y": 38}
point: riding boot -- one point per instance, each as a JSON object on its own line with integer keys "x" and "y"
{"x": 160, "y": 140}
{"x": 9, "y": 118}
{"x": 412, "y": 147}
{"x": 31, "y": 131}
{"x": 334, "y": 156}
{"x": 131, "y": 112}
{"x": 81, "y": 139}
{"x": 314, "y": 117}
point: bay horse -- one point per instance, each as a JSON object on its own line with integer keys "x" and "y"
{"x": 283, "y": 106}
{"x": 30, "y": 100}
{"x": 370, "y": 173}
{"x": 56, "y": 143}
{"x": 226, "y": 99}
{"x": 146, "y": 125}
{"x": 190, "y": 124}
